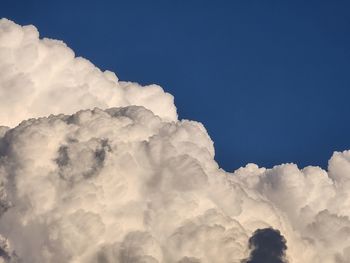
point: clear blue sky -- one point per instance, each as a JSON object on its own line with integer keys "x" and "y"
{"x": 270, "y": 80}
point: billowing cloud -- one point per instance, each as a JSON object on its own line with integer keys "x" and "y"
{"x": 128, "y": 182}
{"x": 39, "y": 77}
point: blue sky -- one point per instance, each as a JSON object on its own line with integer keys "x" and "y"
{"x": 269, "y": 79}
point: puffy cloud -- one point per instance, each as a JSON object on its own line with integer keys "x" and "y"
{"x": 39, "y": 77}
{"x": 133, "y": 183}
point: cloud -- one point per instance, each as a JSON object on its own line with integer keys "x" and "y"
{"x": 268, "y": 245}
{"x": 39, "y": 77}
{"x": 128, "y": 182}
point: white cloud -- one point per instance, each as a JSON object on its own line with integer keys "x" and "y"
{"x": 39, "y": 77}
{"x": 134, "y": 184}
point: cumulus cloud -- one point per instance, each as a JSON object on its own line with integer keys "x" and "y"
{"x": 113, "y": 176}
{"x": 39, "y": 77}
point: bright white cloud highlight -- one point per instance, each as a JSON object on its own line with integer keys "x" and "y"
{"x": 134, "y": 184}
{"x": 39, "y": 77}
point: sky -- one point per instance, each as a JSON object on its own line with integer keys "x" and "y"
{"x": 86, "y": 156}
{"x": 268, "y": 79}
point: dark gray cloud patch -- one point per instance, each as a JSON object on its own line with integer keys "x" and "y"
{"x": 3, "y": 143}
{"x": 5, "y": 255}
{"x": 267, "y": 246}
{"x": 81, "y": 160}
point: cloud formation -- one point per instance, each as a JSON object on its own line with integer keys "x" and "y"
{"x": 39, "y": 77}
{"x": 128, "y": 182}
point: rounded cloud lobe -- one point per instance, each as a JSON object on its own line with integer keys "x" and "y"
{"x": 113, "y": 176}
{"x": 268, "y": 245}
{"x": 39, "y": 77}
